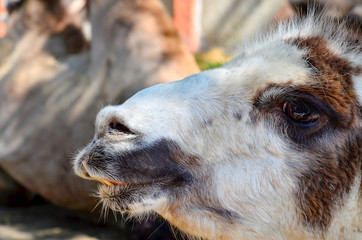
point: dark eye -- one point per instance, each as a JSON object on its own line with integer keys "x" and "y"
{"x": 119, "y": 127}
{"x": 301, "y": 114}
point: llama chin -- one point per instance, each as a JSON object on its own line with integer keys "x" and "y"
{"x": 268, "y": 146}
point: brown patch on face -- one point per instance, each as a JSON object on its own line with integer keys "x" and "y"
{"x": 331, "y": 172}
{"x": 329, "y": 179}
{"x": 333, "y": 77}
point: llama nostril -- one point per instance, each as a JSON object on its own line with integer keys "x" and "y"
{"x": 116, "y": 126}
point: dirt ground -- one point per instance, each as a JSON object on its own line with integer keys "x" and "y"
{"x": 48, "y": 222}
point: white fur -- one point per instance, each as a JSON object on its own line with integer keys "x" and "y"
{"x": 249, "y": 166}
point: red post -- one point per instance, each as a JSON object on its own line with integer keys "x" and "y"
{"x": 3, "y": 15}
{"x": 187, "y": 18}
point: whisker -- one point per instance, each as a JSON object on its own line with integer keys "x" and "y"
{"x": 156, "y": 229}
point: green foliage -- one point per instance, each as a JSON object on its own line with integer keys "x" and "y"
{"x": 205, "y": 64}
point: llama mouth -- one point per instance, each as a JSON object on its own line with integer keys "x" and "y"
{"x": 139, "y": 177}
{"x": 112, "y": 183}
{"x": 122, "y": 195}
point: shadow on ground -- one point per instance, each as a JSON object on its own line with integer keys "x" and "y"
{"x": 48, "y": 222}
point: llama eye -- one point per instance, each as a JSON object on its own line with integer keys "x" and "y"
{"x": 301, "y": 114}
{"x": 119, "y": 127}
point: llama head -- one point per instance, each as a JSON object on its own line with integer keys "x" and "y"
{"x": 266, "y": 146}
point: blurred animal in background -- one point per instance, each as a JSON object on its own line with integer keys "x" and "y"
{"x": 268, "y": 146}
{"x": 58, "y": 67}
{"x": 63, "y": 60}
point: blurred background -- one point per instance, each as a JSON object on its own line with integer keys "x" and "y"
{"x": 61, "y": 61}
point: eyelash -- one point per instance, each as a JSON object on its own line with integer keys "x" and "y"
{"x": 299, "y": 115}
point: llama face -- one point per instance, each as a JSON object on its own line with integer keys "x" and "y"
{"x": 267, "y": 146}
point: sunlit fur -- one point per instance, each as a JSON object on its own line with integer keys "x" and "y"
{"x": 248, "y": 170}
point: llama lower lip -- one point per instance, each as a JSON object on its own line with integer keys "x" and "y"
{"x": 121, "y": 197}
{"x": 112, "y": 183}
